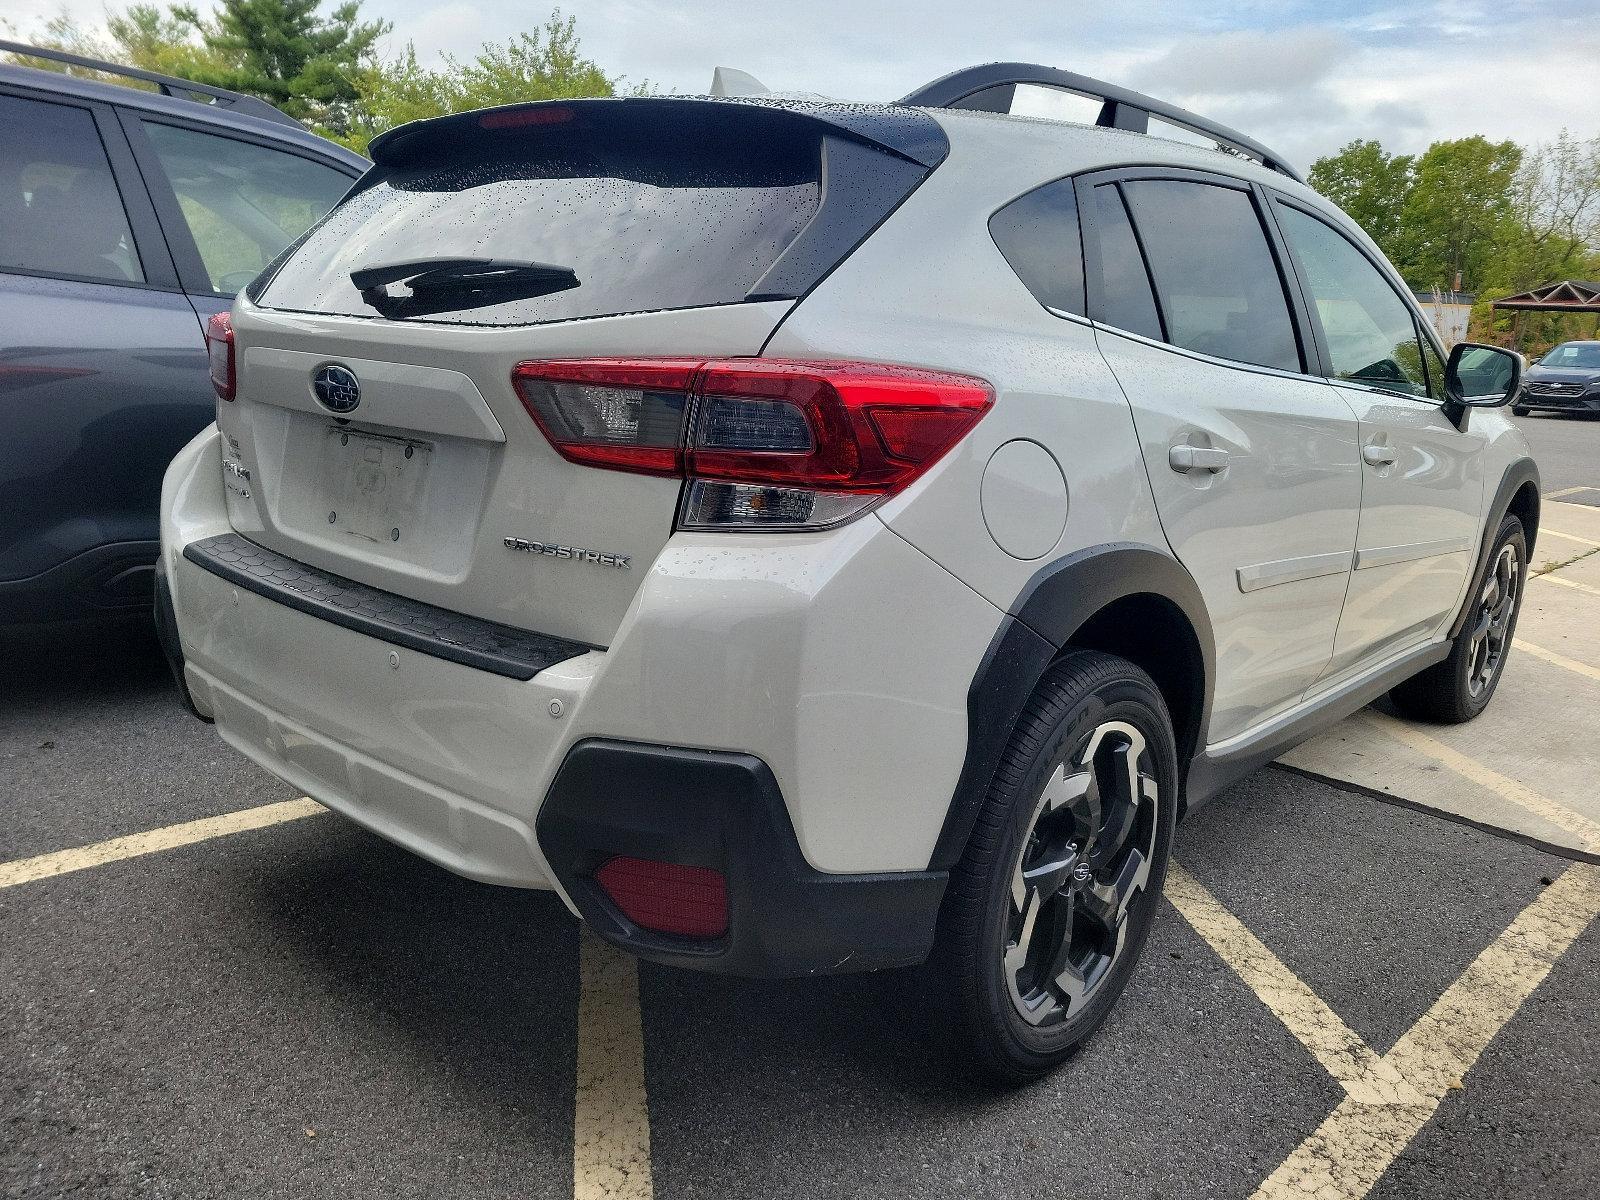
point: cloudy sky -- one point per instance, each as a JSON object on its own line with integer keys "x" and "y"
{"x": 1304, "y": 76}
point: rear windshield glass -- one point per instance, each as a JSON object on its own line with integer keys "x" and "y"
{"x": 646, "y": 208}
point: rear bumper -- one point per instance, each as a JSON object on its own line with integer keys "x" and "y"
{"x": 724, "y": 811}
{"x": 833, "y": 736}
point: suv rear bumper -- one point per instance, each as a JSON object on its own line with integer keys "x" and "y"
{"x": 835, "y": 738}
{"x": 724, "y": 811}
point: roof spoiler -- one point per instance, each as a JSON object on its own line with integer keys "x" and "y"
{"x": 990, "y": 88}
{"x": 911, "y": 135}
{"x": 168, "y": 85}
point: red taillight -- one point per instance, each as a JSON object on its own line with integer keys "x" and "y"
{"x": 219, "y": 353}
{"x": 666, "y": 897}
{"x": 765, "y": 443}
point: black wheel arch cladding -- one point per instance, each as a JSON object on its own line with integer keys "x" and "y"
{"x": 1063, "y": 602}
{"x": 1518, "y": 493}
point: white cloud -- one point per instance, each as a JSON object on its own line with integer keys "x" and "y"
{"x": 1304, "y": 76}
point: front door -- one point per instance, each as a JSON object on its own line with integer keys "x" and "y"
{"x": 1422, "y": 486}
{"x": 1254, "y": 462}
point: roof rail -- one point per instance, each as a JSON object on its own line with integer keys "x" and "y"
{"x": 170, "y": 85}
{"x": 990, "y": 88}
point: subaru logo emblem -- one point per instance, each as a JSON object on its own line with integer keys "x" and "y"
{"x": 337, "y": 387}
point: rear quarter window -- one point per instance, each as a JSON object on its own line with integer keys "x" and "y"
{"x": 1038, "y": 235}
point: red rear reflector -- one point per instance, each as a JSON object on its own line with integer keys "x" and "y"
{"x": 517, "y": 118}
{"x": 666, "y": 897}
{"x": 219, "y": 354}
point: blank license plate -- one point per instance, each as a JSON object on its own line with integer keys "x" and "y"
{"x": 376, "y": 484}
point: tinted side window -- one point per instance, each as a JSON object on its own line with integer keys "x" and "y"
{"x": 1219, "y": 288}
{"x": 60, "y": 211}
{"x": 1123, "y": 298}
{"x": 243, "y": 202}
{"x": 1371, "y": 335}
{"x": 1038, "y": 234}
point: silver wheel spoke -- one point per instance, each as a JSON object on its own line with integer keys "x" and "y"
{"x": 1085, "y": 858}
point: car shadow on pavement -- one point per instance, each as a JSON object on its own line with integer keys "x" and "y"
{"x": 110, "y": 664}
{"x": 477, "y": 980}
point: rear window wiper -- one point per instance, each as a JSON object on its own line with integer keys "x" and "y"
{"x": 452, "y": 284}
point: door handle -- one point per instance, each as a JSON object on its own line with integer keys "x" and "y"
{"x": 1375, "y": 455}
{"x": 1184, "y": 457}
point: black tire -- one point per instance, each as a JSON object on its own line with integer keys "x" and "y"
{"x": 1519, "y": 411}
{"x": 1460, "y": 687}
{"x": 1103, "y": 893}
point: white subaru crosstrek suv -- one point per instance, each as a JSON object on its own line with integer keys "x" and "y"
{"x": 815, "y": 537}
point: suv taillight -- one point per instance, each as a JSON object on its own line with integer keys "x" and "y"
{"x": 763, "y": 443}
{"x": 219, "y": 352}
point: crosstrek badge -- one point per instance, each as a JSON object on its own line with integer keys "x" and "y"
{"x": 571, "y": 553}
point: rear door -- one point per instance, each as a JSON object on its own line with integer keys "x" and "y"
{"x": 1253, "y": 459}
{"x": 229, "y": 202}
{"x": 637, "y": 230}
{"x": 1422, "y": 491}
{"x": 102, "y": 366}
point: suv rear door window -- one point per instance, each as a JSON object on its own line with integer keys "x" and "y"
{"x": 1121, "y": 286}
{"x": 1370, "y": 332}
{"x": 60, "y": 211}
{"x": 647, "y": 208}
{"x": 243, "y": 203}
{"x": 1216, "y": 280}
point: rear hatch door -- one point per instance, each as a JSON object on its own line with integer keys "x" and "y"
{"x": 376, "y": 431}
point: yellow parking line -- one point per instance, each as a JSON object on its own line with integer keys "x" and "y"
{"x": 1340, "y": 1050}
{"x": 1507, "y": 788}
{"x": 611, "y": 1118}
{"x": 1352, "y": 1149}
{"x": 61, "y": 862}
{"x": 1560, "y": 660}
{"x": 1551, "y": 577}
{"x": 1546, "y": 531}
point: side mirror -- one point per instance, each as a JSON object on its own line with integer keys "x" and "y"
{"x": 1480, "y": 377}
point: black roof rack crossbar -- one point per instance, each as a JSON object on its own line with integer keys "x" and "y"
{"x": 990, "y": 88}
{"x": 170, "y": 85}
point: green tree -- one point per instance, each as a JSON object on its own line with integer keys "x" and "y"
{"x": 288, "y": 53}
{"x": 1459, "y": 212}
{"x": 142, "y": 36}
{"x": 1556, "y": 199}
{"x": 546, "y": 64}
{"x": 1371, "y": 185}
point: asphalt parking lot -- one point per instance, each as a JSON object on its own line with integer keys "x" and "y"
{"x": 1375, "y": 975}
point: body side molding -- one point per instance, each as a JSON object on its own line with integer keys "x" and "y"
{"x": 1388, "y": 556}
{"x": 1057, "y": 602}
{"x": 1291, "y": 570}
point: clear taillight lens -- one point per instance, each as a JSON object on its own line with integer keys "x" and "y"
{"x": 610, "y": 413}
{"x": 764, "y": 443}
{"x": 219, "y": 354}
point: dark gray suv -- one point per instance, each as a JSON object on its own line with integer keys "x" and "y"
{"x": 127, "y": 218}
{"x": 1565, "y": 380}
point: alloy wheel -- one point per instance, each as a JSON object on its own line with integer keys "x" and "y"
{"x": 1085, "y": 861}
{"x": 1491, "y": 634}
